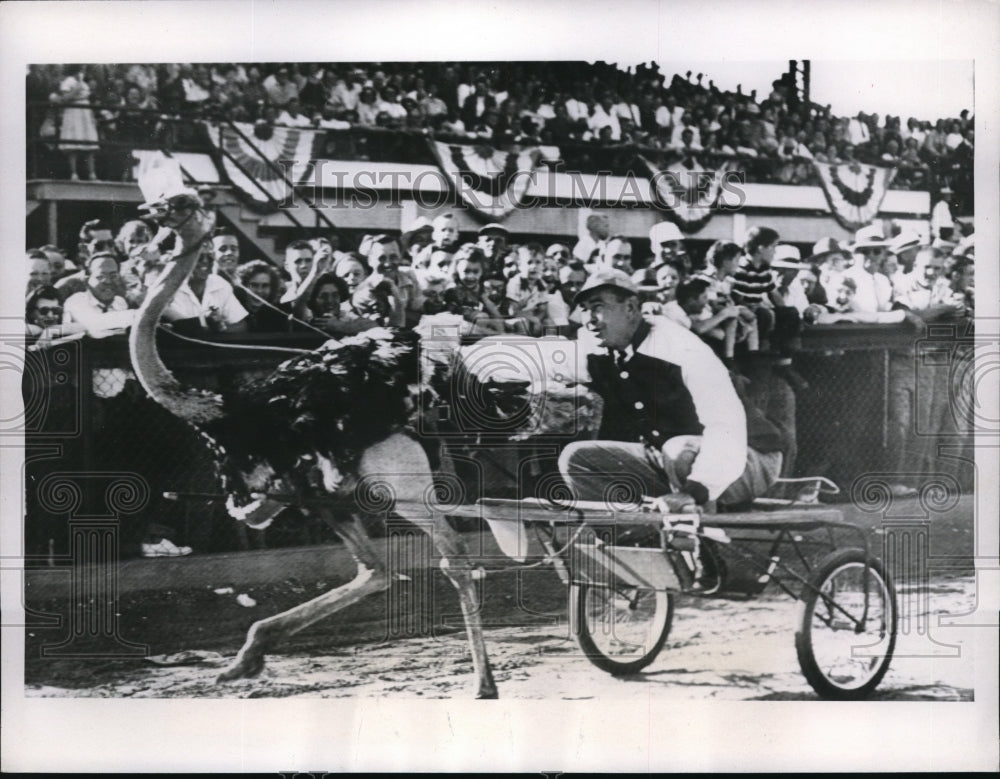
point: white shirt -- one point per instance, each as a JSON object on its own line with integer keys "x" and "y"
{"x": 98, "y": 317}
{"x": 558, "y": 309}
{"x": 941, "y": 217}
{"x": 796, "y": 297}
{"x": 601, "y": 118}
{"x": 672, "y": 310}
{"x": 874, "y": 289}
{"x": 627, "y": 111}
{"x": 286, "y": 119}
{"x": 218, "y": 295}
{"x": 394, "y": 109}
{"x": 857, "y": 131}
{"x": 586, "y": 246}
{"x": 333, "y": 124}
{"x": 678, "y": 131}
{"x": 667, "y": 118}
{"x": 917, "y": 296}
{"x": 577, "y": 109}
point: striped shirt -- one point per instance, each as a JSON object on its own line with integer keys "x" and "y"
{"x": 750, "y": 284}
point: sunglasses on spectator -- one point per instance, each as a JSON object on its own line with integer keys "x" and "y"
{"x": 49, "y": 309}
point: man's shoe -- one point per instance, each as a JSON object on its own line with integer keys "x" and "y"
{"x": 165, "y": 548}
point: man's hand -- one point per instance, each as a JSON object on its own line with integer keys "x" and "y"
{"x": 674, "y": 503}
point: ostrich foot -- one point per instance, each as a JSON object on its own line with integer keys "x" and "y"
{"x": 248, "y": 664}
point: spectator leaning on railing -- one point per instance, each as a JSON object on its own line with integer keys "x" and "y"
{"x": 99, "y": 308}
{"x": 206, "y": 301}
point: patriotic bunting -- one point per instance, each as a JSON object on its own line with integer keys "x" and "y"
{"x": 687, "y": 190}
{"x": 268, "y": 164}
{"x": 491, "y": 182}
{"x": 854, "y": 191}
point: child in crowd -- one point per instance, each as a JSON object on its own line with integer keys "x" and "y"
{"x": 843, "y": 297}
{"x": 667, "y": 279}
{"x": 434, "y": 284}
{"x": 352, "y": 270}
{"x": 723, "y": 260}
{"x": 832, "y": 268}
{"x": 527, "y": 282}
{"x": 466, "y": 296}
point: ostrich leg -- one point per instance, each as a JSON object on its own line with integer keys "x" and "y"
{"x": 270, "y": 632}
{"x": 400, "y": 465}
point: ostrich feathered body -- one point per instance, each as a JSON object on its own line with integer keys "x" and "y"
{"x": 335, "y": 401}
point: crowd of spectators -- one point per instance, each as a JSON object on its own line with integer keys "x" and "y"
{"x": 514, "y": 102}
{"x": 741, "y": 298}
{"x": 748, "y": 301}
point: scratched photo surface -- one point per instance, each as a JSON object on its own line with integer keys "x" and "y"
{"x": 568, "y": 381}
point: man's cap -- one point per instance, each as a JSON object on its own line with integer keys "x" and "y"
{"x": 904, "y": 241}
{"x": 787, "y": 257}
{"x": 493, "y": 227}
{"x": 605, "y": 277}
{"x": 663, "y": 232}
{"x": 825, "y": 247}
{"x": 870, "y": 237}
{"x": 556, "y": 248}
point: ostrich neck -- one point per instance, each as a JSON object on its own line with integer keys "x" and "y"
{"x": 154, "y": 376}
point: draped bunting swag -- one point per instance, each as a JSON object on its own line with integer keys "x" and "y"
{"x": 854, "y": 191}
{"x": 686, "y": 190}
{"x": 491, "y": 182}
{"x": 277, "y": 162}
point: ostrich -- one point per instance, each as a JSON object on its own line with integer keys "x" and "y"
{"x": 325, "y": 423}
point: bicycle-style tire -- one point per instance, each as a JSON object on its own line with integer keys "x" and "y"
{"x": 620, "y": 628}
{"x": 837, "y": 661}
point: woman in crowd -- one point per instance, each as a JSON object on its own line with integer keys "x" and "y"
{"x": 330, "y": 309}
{"x": 78, "y": 130}
{"x": 257, "y": 287}
{"x": 43, "y": 316}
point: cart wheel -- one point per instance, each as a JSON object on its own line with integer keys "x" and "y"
{"x": 621, "y": 628}
{"x": 840, "y": 657}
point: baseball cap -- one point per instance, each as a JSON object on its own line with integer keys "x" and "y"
{"x": 605, "y": 277}
{"x": 493, "y": 227}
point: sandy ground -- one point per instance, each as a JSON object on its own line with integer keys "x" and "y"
{"x": 721, "y": 649}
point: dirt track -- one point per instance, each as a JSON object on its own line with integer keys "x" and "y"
{"x": 718, "y": 649}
